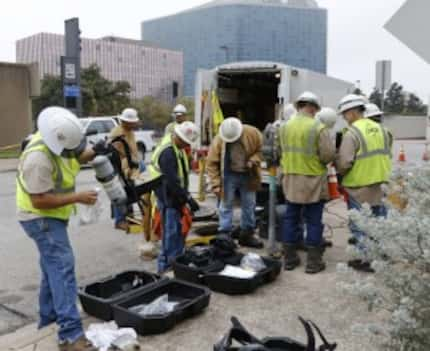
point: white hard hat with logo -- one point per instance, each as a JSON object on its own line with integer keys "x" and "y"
{"x": 372, "y": 110}
{"x": 60, "y": 129}
{"x": 187, "y": 132}
{"x": 179, "y": 110}
{"x": 289, "y": 111}
{"x": 327, "y": 116}
{"x": 351, "y": 101}
{"x": 310, "y": 98}
{"x": 231, "y": 130}
{"x": 129, "y": 115}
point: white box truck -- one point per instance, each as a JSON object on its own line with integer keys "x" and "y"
{"x": 257, "y": 91}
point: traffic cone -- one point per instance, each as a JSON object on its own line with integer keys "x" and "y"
{"x": 426, "y": 155}
{"x": 332, "y": 183}
{"x": 402, "y": 155}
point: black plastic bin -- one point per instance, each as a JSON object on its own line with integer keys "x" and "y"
{"x": 237, "y": 286}
{"x": 208, "y": 275}
{"x": 181, "y": 268}
{"x": 97, "y": 298}
{"x": 193, "y": 300}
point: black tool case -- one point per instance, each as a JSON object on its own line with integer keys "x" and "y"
{"x": 193, "y": 299}
{"x": 97, "y": 298}
{"x": 208, "y": 274}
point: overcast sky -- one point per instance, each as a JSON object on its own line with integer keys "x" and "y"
{"x": 356, "y": 34}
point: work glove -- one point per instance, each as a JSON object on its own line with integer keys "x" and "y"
{"x": 194, "y": 206}
{"x": 102, "y": 148}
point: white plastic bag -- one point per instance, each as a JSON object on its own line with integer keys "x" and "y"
{"x": 161, "y": 305}
{"x": 90, "y": 214}
{"x": 102, "y": 335}
{"x": 237, "y": 272}
{"x": 252, "y": 262}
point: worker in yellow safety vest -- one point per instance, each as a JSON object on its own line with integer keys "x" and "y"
{"x": 364, "y": 161}
{"x": 170, "y": 161}
{"x": 307, "y": 148}
{"x": 46, "y": 198}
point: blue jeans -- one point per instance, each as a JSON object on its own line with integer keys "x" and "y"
{"x": 377, "y": 211}
{"x": 233, "y": 183}
{"x": 58, "y": 288}
{"x": 311, "y": 216}
{"x": 173, "y": 242}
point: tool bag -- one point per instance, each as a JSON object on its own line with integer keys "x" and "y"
{"x": 223, "y": 246}
{"x": 248, "y": 342}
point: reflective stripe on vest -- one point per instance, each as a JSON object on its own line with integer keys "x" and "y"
{"x": 154, "y": 167}
{"x": 372, "y": 163}
{"x": 63, "y": 176}
{"x": 299, "y": 145}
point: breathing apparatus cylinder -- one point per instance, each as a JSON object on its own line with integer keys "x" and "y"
{"x": 107, "y": 177}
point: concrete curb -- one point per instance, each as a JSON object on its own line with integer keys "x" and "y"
{"x": 8, "y": 165}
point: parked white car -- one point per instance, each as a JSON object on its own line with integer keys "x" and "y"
{"x": 98, "y": 128}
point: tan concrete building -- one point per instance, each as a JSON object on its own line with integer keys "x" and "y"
{"x": 150, "y": 69}
{"x": 18, "y": 84}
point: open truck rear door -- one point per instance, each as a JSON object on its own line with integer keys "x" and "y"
{"x": 206, "y": 82}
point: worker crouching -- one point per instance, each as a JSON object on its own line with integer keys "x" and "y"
{"x": 170, "y": 160}
{"x": 233, "y": 165}
{"x": 307, "y": 148}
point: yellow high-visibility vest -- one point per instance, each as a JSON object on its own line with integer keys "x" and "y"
{"x": 63, "y": 176}
{"x": 181, "y": 159}
{"x": 373, "y": 163}
{"x": 299, "y": 144}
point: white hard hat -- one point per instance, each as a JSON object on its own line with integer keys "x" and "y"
{"x": 179, "y": 110}
{"x": 129, "y": 115}
{"x": 231, "y": 130}
{"x": 351, "y": 101}
{"x": 372, "y": 110}
{"x": 308, "y": 97}
{"x": 327, "y": 116}
{"x": 187, "y": 131}
{"x": 289, "y": 111}
{"x": 60, "y": 129}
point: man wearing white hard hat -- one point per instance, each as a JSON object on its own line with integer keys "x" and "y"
{"x": 374, "y": 113}
{"x": 124, "y": 141}
{"x": 307, "y": 149}
{"x": 233, "y": 164}
{"x": 179, "y": 115}
{"x": 46, "y": 198}
{"x": 170, "y": 161}
{"x": 364, "y": 161}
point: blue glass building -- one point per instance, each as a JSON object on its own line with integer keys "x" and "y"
{"x": 293, "y": 32}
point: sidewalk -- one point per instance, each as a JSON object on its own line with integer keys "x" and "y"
{"x": 8, "y": 165}
{"x": 271, "y": 311}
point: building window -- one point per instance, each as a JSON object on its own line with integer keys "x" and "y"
{"x": 98, "y": 47}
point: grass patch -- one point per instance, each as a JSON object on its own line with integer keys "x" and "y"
{"x": 10, "y": 153}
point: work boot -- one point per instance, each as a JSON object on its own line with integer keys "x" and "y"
{"x": 291, "y": 258}
{"x": 352, "y": 241}
{"x": 315, "y": 263}
{"x": 235, "y": 233}
{"x": 361, "y": 266}
{"x": 248, "y": 239}
{"x": 148, "y": 251}
{"x": 122, "y": 226}
{"x": 82, "y": 344}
